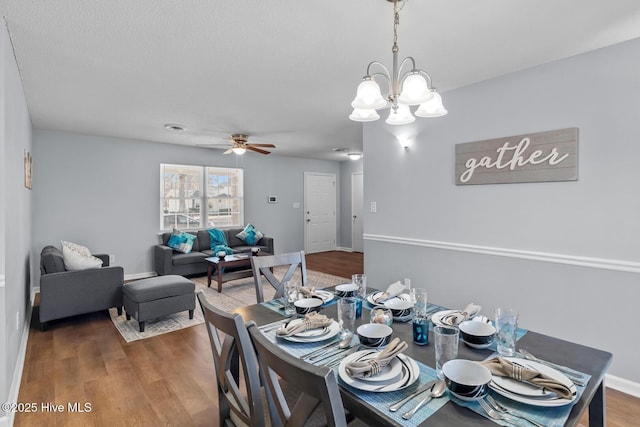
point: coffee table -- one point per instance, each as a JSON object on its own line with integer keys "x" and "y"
{"x": 241, "y": 263}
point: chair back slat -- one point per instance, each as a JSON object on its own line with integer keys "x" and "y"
{"x": 262, "y": 268}
{"x": 236, "y": 399}
{"x": 317, "y": 386}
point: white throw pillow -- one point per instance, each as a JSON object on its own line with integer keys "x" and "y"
{"x": 77, "y": 257}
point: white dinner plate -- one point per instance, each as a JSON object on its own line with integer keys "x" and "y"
{"x": 437, "y": 317}
{"x": 410, "y": 371}
{"x": 390, "y": 372}
{"x": 325, "y": 295}
{"x": 371, "y": 298}
{"x": 333, "y": 330}
{"x": 529, "y": 395}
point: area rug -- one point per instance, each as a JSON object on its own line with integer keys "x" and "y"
{"x": 235, "y": 294}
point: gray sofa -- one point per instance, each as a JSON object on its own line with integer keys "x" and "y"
{"x": 68, "y": 293}
{"x": 168, "y": 261}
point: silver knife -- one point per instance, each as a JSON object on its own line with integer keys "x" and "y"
{"x": 422, "y": 389}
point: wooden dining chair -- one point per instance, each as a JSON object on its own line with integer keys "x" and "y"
{"x": 239, "y": 403}
{"x": 317, "y": 397}
{"x": 263, "y": 267}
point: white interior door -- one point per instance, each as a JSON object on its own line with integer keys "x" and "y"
{"x": 320, "y": 212}
{"x": 357, "y": 211}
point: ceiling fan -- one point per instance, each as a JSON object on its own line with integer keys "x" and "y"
{"x": 240, "y": 145}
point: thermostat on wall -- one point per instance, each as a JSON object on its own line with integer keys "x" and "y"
{"x": 272, "y": 199}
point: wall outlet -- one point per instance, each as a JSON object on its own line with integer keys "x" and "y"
{"x": 373, "y": 207}
{"x": 407, "y": 283}
{"x": 296, "y": 205}
{"x": 112, "y": 259}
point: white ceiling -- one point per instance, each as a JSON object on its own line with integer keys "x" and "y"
{"x": 282, "y": 71}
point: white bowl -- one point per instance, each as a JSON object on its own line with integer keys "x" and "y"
{"x": 467, "y": 380}
{"x": 477, "y": 334}
{"x": 346, "y": 290}
{"x": 307, "y": 305}
{"x": 374, "y": 334}
{"x": 399, "y": 307}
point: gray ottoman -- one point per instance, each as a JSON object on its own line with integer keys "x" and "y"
{"x": 151, "y": 298}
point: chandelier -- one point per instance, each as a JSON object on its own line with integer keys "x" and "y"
{"x": 412, "y": 87}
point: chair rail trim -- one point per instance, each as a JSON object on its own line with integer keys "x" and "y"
{"x": 591, "y": 262}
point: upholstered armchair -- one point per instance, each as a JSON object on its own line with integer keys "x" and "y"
{"x": 66, "y": 293}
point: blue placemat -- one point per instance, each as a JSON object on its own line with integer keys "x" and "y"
{"x": 550, "y": 417}
{"x": 380, "y": 402}
{"x": 277, "y": 305}
{"x": 376, "y": 401}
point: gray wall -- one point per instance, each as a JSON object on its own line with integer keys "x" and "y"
{"x": 347, "y": 168}
{"x": 15, "y": 219}
{"x": 566, "y": 254}
{"x": 104, "y": 193}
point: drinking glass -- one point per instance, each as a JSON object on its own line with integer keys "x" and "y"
{"x": 446, "y": 339}
{"x": 419, "y": 299}
{"x": 360, "y": 280}
{"x": 290, "y": 297}
{"x": 346, "y": 315}
{"x": 506, "y": 328}
{"x": 420, "y": 330}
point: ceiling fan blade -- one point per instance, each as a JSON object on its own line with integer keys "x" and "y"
{"x": 257, "y": 150}
{"x": 263, "y": 145}
{"x": 229, "y": 151}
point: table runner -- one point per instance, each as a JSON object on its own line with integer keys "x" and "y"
{"x": 376, "y": 401}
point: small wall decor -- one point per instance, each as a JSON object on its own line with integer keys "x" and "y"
{"x": 536, "y": 157}
{"x": 27, "y": 169}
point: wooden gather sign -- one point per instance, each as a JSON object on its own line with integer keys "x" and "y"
{"x": 536, "y": 157}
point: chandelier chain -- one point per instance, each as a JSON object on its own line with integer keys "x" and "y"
{"x": 396, "y": 22}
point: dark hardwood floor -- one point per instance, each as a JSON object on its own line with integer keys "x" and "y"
{"x": 165, "y": 380}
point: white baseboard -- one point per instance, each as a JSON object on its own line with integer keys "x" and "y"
{"x": 622, "y": 385}
{"x": 342, "y": 249}
{"x": 14, "y": 391}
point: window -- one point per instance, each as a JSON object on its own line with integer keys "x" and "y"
{"x": 200, "y": 197}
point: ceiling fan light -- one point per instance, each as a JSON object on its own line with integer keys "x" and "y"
{"x": 239, "y": 150}
{"x": 415, "y": 90}
{"x": 368, "y": 96}
{"x": 360, "y": 115}
{"x": 432, "y": 108}
{"x": 400, "y": 116}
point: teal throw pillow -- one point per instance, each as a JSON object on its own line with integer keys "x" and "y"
{"x": 181, "y": 241}
{"x": 250, "y": 235}
{"x": 217, "y": 238}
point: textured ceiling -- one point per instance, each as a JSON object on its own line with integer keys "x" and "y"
{"x": 282, "y": 71}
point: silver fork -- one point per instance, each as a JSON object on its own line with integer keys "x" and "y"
{"x": 498, "y": 415}
{"x": 500, "y": 408}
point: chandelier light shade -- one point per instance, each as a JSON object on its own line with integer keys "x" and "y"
{"x": 359, "y": 115}
{"x": 239, "y": 150}
{"x": 401, "y": 115}
{"x": 405, "y": 88}
{"x": 432, "y": 108}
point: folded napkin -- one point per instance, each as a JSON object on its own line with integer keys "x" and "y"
{"x": 505, "y": 368}
{"x": 309, "y": 292}
{"x": 458, "y": 317}
{"x": 311, "y": 320}
{"x": 394, "y": 289}
{"x": 372, "y": 367}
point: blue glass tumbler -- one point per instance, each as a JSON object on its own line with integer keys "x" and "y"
{"x": 420, "y": 330}
{"x": 358, "y": 308}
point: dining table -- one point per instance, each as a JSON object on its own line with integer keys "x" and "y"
{"x": 587, "y": 360}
